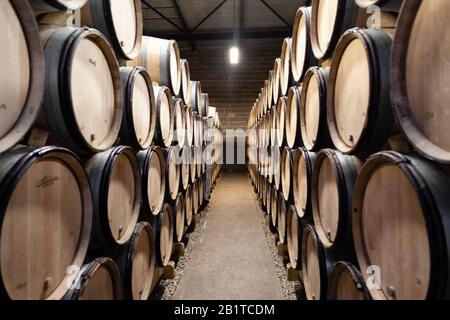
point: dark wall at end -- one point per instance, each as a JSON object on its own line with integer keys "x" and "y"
{"x": 232, "y": 89}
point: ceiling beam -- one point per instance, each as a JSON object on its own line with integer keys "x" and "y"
{"x": 224, "y": 35}
{"x": 162, "y": 15}
{"x": 183, "y": 22}
{"x": 276, "y": 13}
{"x": 209, "y": 15}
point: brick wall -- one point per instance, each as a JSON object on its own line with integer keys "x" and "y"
{"x": 232, "y": 89}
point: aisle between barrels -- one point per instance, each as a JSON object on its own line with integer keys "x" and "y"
{"x": 232, "y": 259}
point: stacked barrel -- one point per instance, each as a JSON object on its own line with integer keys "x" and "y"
{"x": 351, "y": 161}
{"x": 105, "y": 156}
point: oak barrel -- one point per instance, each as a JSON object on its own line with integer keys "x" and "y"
{"x": 274, "y": 128}
{"x": 266, "y": 195}
{"x": 98, "y": 280}
{"x": 276, "y": 157}
{"x": 334, "y": 177}
{"x": 273, "y": 202}
{"x": 196, "y": 129}
{"x": 316, "y": 265}
{"x": 172, "y": 159}
{"x": 136, "y": 263}
{"x": 270, "y": 89}
{"x": 139, "y": 117}
{"x": 302, "y": 57}
{"x": 276, "y": 81}
{"x": 153, "y": 173}
{"x": 294, "y": 231}
{"x": 179, "y": 111}
{"x": 22, "y": 76}
{"x": 281, "y": 219}
{"x": 116, "y": 192}
{"x": 313, "y": 109}
{"x": 185, "y": 153}
{"x": 404, "y": 198}
{"x": 302, "y": 182}
{"x": 189, "y": 205}
{"x": 287, "y": 170}
{"x": 360, "y": 117}
{"x": 196, "y": 96}
{"x": 293, "y": 124}
{"x": 204, "y": 105}
{"x": 46, "y": 216}
{"x": 81, "y": 72}
{"x": 419, "y": 77}
{"x": 281, "y": 112}
{"x": 120, "y": 21}
{"x": 185, "y": 92}
{"x": 195, "y": 207}
{"x": 164, "y": 116}
{"x": 193, "y": 165}
{"x": 189, "y": 122}
{"x": 201, "y": 192}
{"x": 285, "y": 70}
{"x": 179, "y": 217}
{"x": 347, "y": 283}
{"x": 161, "y": 58}
{"x": 329, "y": 20}
{"x": 164, "y": 236}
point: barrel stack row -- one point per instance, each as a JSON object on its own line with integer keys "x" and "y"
{"x": 107, "y": 150}
{"x": 351, "y": 162}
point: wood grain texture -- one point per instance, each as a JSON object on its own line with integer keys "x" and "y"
{"x": 41, "y": 230}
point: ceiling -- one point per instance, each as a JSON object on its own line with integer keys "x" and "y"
{"x": 193, "y": 20}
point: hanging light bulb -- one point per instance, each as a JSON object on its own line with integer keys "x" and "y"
{"x": 234, "y": 50}
{"x": 234, "y": 55}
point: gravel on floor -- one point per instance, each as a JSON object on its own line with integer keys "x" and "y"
{"x": 292, "y": 290}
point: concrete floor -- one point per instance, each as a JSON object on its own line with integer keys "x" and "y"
{"x": 232, "y": 260}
